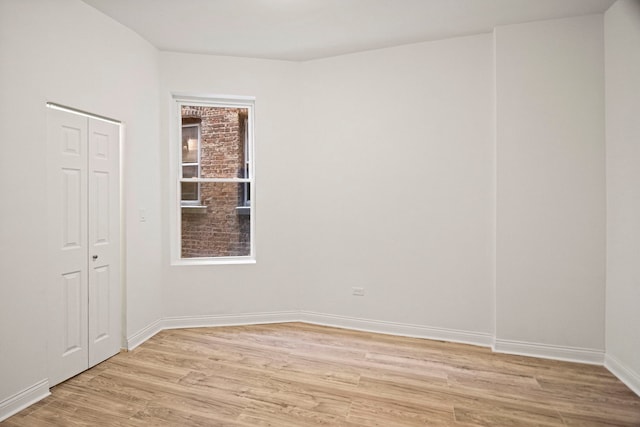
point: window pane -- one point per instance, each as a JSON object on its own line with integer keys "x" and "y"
{"x": 222, "y": 140}
{"x": 190, "y": 144}
{"x": 189, "y": 191}
{"x": 222, "y": 229}
{"x": 190, "y": 171}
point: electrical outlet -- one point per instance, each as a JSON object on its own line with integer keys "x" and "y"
{"x": 357, "y": 291}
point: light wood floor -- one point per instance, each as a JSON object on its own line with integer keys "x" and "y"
{"x": 294, "y": 375}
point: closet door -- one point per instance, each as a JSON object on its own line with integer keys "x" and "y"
{"x": 68, "y": 257}
{"x": 104, "y": 241}
{"x": 84, "y": 231}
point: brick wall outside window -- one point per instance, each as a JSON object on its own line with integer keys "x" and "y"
{"x": 220, "y": 230}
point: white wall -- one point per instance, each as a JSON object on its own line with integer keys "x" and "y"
{"x": 268, "y": 286}
{"x": 384, "y": 179}
{"x": 551, "y": 186}
{"x": 622, "y": 59}
{"x": 68, "y": 53}
{"x": 375, "y": 170}
{"x": 398, "y": 182}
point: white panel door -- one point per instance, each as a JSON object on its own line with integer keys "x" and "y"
{"x": 104, "y": 241}
{"x": 84, "y": 241}
{"x": 67, "y": 215}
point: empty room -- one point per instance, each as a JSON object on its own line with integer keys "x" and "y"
{"x": 320, "y": 212}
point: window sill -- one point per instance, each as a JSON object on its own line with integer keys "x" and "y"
{"x": 214, "y": 261}
{"x": 243, "y": 210}
{"x": 196, "y": 209}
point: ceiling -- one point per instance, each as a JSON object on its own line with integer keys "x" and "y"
{"x": 300, "y": 30}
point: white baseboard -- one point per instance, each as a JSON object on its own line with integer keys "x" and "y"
{"x": 401, "y": 329}
{"x": 570, "y": 354}
{"x": 391, "y": 328}
{"x": 230, "y": 319}
{"x": 624, "y": 373}
{"x": 144, "y": 334}
{"x": 23, "y": 399}
{"x": 546, "y": 351}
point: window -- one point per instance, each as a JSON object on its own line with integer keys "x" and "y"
{"x": 190, "y": 164}
{"x": 214, "y": 216}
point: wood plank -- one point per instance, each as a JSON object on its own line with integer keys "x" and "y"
{"x": 296, "y": 375}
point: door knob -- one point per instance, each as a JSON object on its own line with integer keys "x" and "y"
{"x": 95, "y": 257}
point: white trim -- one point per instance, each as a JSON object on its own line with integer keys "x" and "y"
{"x": 21, "y": 400}
{"x": 230, "y": 319}
{"x": 548, "y": 351}
{"x": 217, "y": 180}
{"x": 71, "y": 110}
{"x": 381, "y": 327}
{"x": 400, "y": 329}
{"x": 144, "y": 334}
{"x": 376, "y": 326}
{"x": 212, "y": 99}
{"x": 178, "y": 99}
{"x": 545, "y": 351}
{"x": 624, "y": 373}
{"x": 223, "y": 260}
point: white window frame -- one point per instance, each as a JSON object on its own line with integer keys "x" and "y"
{"x": 246, "y": 165}
{"x": 175, "y": 170}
